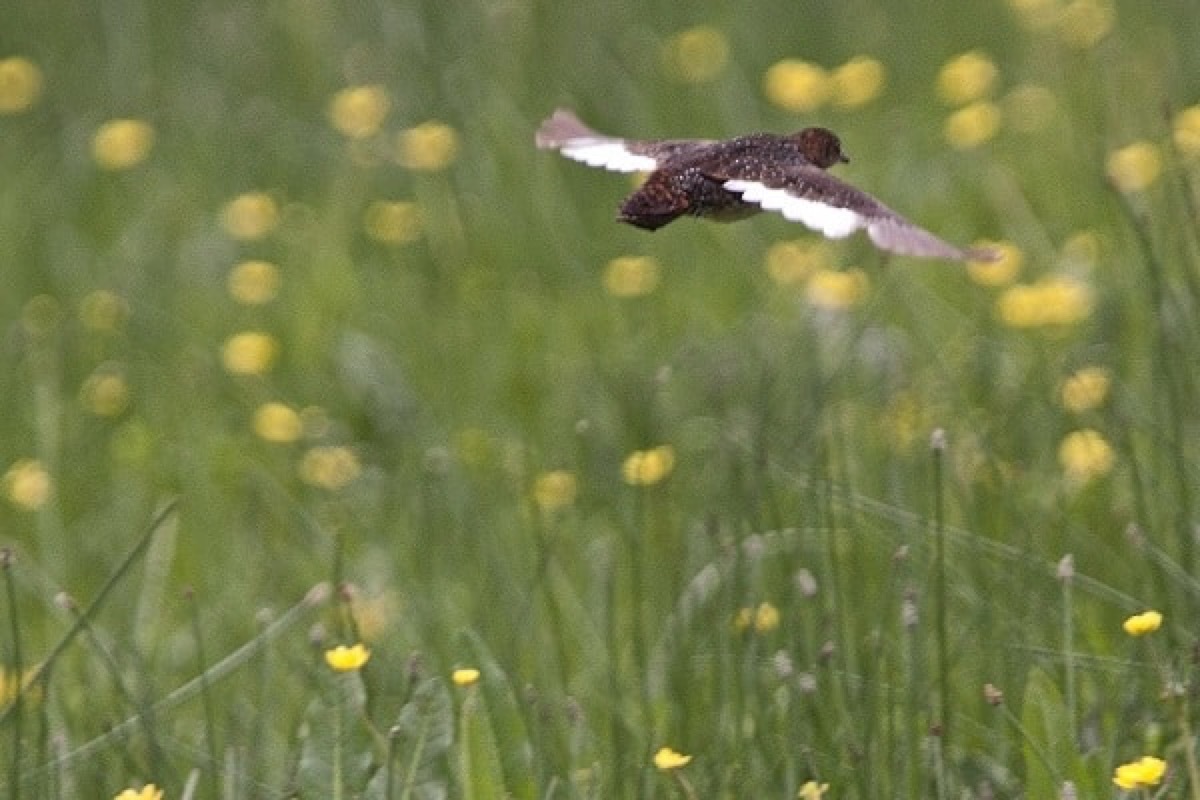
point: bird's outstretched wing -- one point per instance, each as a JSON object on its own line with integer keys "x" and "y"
{"x": 837, "y": 209}
{"x": 564, "y": 132}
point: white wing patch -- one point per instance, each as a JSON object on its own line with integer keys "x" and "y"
{"x": 834, "y": 222}
{"x": 611, "y": 154}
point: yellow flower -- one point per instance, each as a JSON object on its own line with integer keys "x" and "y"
{"x": 696, "y": 55}
{"x": 358, "y": 111}
{"x": 393, "y": 222}
{"x": 103, "y": 311}
{"x": 797, "y": 86}
{"x": 28, "y": 484}
{"x": 147, "y": 792}
{"x": 1085, "y": 389}
{"x": 254, "y": 282}
{"x": 1001, "y": 271}
{"x": 813, "y": 791}
{"x": 1186, "y": 132}
{"x": 1141, "y": 624}
{"x": 857, "y": 82}
{"x": 428, "y": 147}
{"x": 105, "y": 392}
{"x": 1147, "y": 771}
{"x": 465, "y": 677}
{"x": 1030, "y": 108}
{"x": 1038, "y": 15}
{"x": 631, "y": 276}
{"x": 1084, "y": 23}
{"x": 972, "y": 125}
{"x": 347, "y": 659}
{"x": 791, "y": 263}
{"x": 278, "y": 423}
{"x": 555, "y": 489}
{"x": 966, "y": 78}
{"x": 648, "y": 467}
{"x": 20, "y": 84}
{"x": 667, "y": 759}
{"x": 1134, "y": 167}
{"x": 11, "y": 685}
{"x": 250, "y": 216}
{"x": 122, "y": 143}
{"x": 743, "y": 619}
{"x": 329, "y": 467}
{"x": 249, "y": 353}
{"x": 1085, "y": 455}
{"x": 837, "y": 290}
{"x": 1047, "y": 302}
{"x": 766, "y": 618}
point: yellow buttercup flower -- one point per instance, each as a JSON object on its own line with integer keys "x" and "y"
{"x": 147, "y": 792}
{"x": 329, "y": 467}
{"x": 790, "y": 263}
{"x": 998, "y": 272}
{"x": 358, "y": 112}
{"x": 857, "y": 82}
{"x": 972, "y": 125}
{"x": 28, "y": 484}
{"x": 393, "y": 223}
{"x": 797, "y": 86}
{"x": 254, "y": 282}
{"x": 696, "y": 55}
{"x": 1051, "y": 301}
{"x": 1135, "y": 167}
{"x": 648, "y": 467}
{"x": 347, "y": 659}
{"x": 555, "y": 489}
{"x": 20, "y": 84}
{"x": 465, "y": 676}
{"x": 429, "y": 147}
{"x": 250, "y": 216}
{"x": 278, "y": 423}
{"x": 837, "y": 290}
{"x": 766, "y": 618}
{"x": 1085, "y": 455}
{"x": 1147, "y": 771}
{"x": 1084, "y": 23}
{"x": 1186, "y": 132}
{"x": 631, "y": 276}
{"x": 1141, "y": 624}
{"x": 966, "y": 78}
{"x": 249, "y": 353}
{"x": 105, "y": 392}
{"x": 667, "y": 759}
{"x": 122, "y": 143}
{"x": 813, "y": 791}
{"x": 103, "y": 311}
{"x": 1085, "y": 389}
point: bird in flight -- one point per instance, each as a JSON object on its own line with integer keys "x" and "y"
{"x": 731, "y": 179}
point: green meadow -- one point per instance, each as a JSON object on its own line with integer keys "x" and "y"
{"x": 350, "y": 448}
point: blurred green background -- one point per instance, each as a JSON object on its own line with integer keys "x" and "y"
{"x": 784, "y": 506}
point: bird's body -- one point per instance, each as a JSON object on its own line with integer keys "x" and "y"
{"x": 734, "y": 178}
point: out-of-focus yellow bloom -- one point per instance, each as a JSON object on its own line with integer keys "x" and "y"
{"x": 1050, "y": 301}
{"x": 1186, "y": 132}
{"x": 648, "y": 467}
{"x": 147, "y": 792}
{"x": 1085, "y": 455}
{"x": 972, "y": 125}
{"x": 122, "y": 143}
{"x": 791, "y": 263}
{"x": 28, "y": 484}
{"x": 1000, "y": 272}
{"x": 329, "y": 467}
{"x": 667, "y": 759}
{"x": 397, "y": 222}
{"x": 1085, "y": 389}
{"x": 11, "y": 684}
{"x": 1135, "y": 167}
{"x": 428, "y": 147}
{"x": 966, "y": 78}
{"x": 1030, "y": 108}
{"x": 1084, "y": 23}
{"x": 766, "y": 618}
{"x": 631, "y": 276}
{"x": 20, "y": 84}
{"x": 249, "y": 353}
{"x": 105, "y": 392}
{"x": 357, "y": 112}
{"x": 347, "y": 659}
{"x": 1037, "y": 15}
{"x": 837, "y": 290}
{"x": 250, "y": 216}
{"x": 254, "y": 282}
{"x": 696, "y": 55}
{"x": 373, "y": 613}
{"x": 1143, "y": 623}
{"x": 278, "y": 423}
{"x": 797, "y": 86}
{"x": 555, "y": 489}
{"x": 102, "y": 311}
{"x": 465, "y": 676}
{"x": 813, "y": 791}
{"x": 1147, "y": 771}
{"x": 857, "y": 82}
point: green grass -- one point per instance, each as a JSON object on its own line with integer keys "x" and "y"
{"x": 886, "y": 477}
